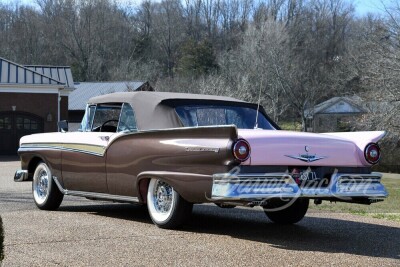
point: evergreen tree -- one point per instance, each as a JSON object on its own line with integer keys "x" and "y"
{"x": 197, "y": 58}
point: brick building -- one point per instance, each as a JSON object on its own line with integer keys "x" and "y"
{"x": 32, "y": 100}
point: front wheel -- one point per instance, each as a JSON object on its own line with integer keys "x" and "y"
{"x": 45, "y": 192}
{"x": 166, "y": 207}
{"x": 287, "y": 212}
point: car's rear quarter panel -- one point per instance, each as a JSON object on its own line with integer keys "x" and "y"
{"x": 185, "y": 157}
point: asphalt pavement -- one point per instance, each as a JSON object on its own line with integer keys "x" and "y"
{"x": 92, "y": 233}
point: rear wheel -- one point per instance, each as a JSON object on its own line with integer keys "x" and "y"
{"x": 45, "y": 192}
{"x": 166, "y": 207}
{"x": 282, "y": 212}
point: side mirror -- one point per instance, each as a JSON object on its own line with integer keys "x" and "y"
{"x": 63, "y": 126}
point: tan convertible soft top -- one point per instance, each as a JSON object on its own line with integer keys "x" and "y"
{"x": 151, "y": 110}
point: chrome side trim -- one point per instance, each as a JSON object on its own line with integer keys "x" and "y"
{"x": 21, "y": 176}
{"x": 80, "y": 148}
{"x": 186, "y": 128}
{"x": 93, "y": 195}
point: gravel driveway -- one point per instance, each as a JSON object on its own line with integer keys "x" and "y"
{"x": 89, "y": 233}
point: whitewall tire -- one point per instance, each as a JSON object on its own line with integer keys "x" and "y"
{"x": 45, "y": 192}
{"x": 166, "y": 207}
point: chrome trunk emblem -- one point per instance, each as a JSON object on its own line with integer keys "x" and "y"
{"x": 306, "y": 157}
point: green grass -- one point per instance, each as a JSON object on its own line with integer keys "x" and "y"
{"x": 389, "y": 209}
{"x": 290, "y": 126}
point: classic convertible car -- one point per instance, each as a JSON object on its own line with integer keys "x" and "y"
{"x": 170, "y": 151}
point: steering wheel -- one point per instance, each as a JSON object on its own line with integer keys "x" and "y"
{"x": 104, "y": 123}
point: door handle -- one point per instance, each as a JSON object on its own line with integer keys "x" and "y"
{"x": 104, "y": 138}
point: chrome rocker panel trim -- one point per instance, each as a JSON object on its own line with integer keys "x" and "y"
{"x": 248, "y": 187}
{"x": 96, "y": 196}
{"x": 21, "y": 176}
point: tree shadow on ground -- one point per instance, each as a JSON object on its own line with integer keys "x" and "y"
{"x": 129, "y": 212}
{"x": 329, "y": 235}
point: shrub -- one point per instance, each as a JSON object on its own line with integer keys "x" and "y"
{"x": 1, "y": 240}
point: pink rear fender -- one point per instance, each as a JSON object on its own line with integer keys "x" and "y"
{"x": 361, "y": 139}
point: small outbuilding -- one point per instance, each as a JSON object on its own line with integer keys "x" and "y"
{"x": 334, "y": 115}
{"x": 32, "y": 100}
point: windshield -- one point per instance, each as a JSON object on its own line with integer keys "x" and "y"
{"x": 211, "y": 115}
{"x": 86, "y": 124}
{"x": 113, "y": 117}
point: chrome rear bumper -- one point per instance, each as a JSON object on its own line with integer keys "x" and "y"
{"x": 250, "y": 187}
{"x": 21, "y": 176}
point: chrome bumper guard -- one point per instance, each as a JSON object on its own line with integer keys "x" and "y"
{"x": 250, "y": 187}
{"x": 21, "y": 176}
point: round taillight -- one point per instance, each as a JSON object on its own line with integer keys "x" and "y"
{"x": 372, "y": 153}
{"x": 241, "y": 150}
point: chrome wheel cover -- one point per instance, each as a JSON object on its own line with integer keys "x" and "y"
{"x": 41, "y": 180}
{"x": 160, "y": 197}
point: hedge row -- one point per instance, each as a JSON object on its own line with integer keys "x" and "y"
{"x": 1, "y": 240}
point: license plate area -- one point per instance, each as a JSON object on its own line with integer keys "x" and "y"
{"x": 308, "y": 177}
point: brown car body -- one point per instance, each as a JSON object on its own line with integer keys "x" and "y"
{"x": 149, "y": 142}
{"x": 153, "y": 151}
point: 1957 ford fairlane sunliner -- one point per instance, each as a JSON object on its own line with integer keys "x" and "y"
{"x": 170, "y": 151}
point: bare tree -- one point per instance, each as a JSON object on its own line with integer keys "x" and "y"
{"x": 168, "y": 31}
{"x": 376, "y": 52}
{"x": 253, "y": 71}
{"x": 296, "y": 52}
